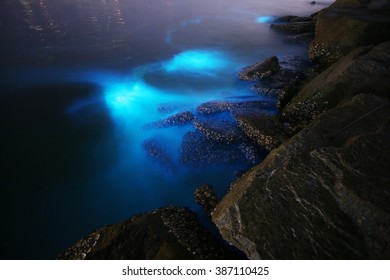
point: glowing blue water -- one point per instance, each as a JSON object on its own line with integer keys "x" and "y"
{"x": 82, "y": 80}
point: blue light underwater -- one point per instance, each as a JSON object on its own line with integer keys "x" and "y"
{"x": 265, "y": 19}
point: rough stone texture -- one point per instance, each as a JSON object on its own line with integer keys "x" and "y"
{"x": 175, "y": 120}
{"x": 206, "y": 197}
{"x": 154, "y": 148}
{"x": 304, "y": 38}
{"x": 224, "y": 131}
{"x": 260, "y": 70}
{"x": 365, "y": 69}
{"x": 295, "y": 27}
{"x": 198, "y": 151}
{"x": 264, "y": 129}
{"x": 213, "y": 107}
{"x": 253, "y": 153}
{"x": 345, "y": 26}
{"x": 323, "y": 194}
{"x": 166, "y": 233}
{"x": 291, "y": 18}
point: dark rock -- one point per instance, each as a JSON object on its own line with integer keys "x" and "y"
{"x": 291, "y": 18}
{"x": 175, "y": 120}
{"x": 313, "y": 2}
{"x": 252, "y": 152}
{"x": 304, "y": 38}
{"x": 287, "y": 82}
{"x": 288, "y": 18}
{"x": 262, "y": 128}
{"x": 198, "y": 151}
{"x": 155, "y": 149}
{"x": 295, "y": 27}
{"x": 365, "y": 69}
{"x": 166, "y": 233}
{"x": 206, "y": 197}
{"x": 379, "y": 4}
{"x": 213, "y": 107}
{"x": 260, "y": 70}
{"x": 346, "y": 25}
{"x": 350, "y": 4}
{"x": 224, "y": 131}
{"x": 323, "y": 194}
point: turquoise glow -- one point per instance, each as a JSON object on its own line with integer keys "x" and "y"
{"x": 265, "y": 19}
{"x": 196, "y": 61}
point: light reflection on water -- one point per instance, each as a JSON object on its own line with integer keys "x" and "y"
{"x": 136, "y": 55}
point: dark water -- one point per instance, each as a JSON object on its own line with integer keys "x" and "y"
{"x": 80, "y": 79}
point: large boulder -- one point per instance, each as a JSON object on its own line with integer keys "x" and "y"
{"x": 166, "y": 233}
{"x": 365, "y": 69}
{"x": 346, "y": 25}
{"x": 323, "y": 194}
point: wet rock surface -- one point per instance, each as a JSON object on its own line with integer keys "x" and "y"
{"x": 264, "y": 129}
{"x": 206, "y": 197}
{"x": 219, "y": 130}
{"x": 213, "y": 107}
{"x": 155, "y": 149}
{"x": 174, "y": 120}
{"x": 323, "y": 194}
{"x": 197, "y": 151}
{"x": 352, "y": 24}
{"x": 166, "y": 233}
{"x": 260, "y": 70}
{"x": 365, "y": 69}
{"x": 295, "y": 27}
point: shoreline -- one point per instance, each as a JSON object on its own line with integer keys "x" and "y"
{"x": 306, "y": 197}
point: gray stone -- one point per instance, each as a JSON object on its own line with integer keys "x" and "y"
{"x": 346, "y": 25}
{"x": 323, "y": 194}
{"x": 264, "y": 129}
{"x": 365, "y": 69}
{"x": 167, "y": 233}
{"x": 260, "y": 70}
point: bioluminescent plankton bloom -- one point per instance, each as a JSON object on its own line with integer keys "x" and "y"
{"x": 265, "y": 19}
{"x": 202, "y": 62}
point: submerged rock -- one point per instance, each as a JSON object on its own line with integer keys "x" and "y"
{"x": 166, "y": 233}
{"x": 323, "y": 194}
{"x": 155, "y": 149}
{"x": 206, "y": 197}
{"x": 175, "y": 120}
{"x": 224, "y": 131}
{"x": 197, "y": 151}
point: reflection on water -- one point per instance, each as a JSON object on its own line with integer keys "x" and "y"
{"x": 82, "y": 82}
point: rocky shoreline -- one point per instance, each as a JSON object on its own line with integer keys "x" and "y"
{"x": 322, "y": 192}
